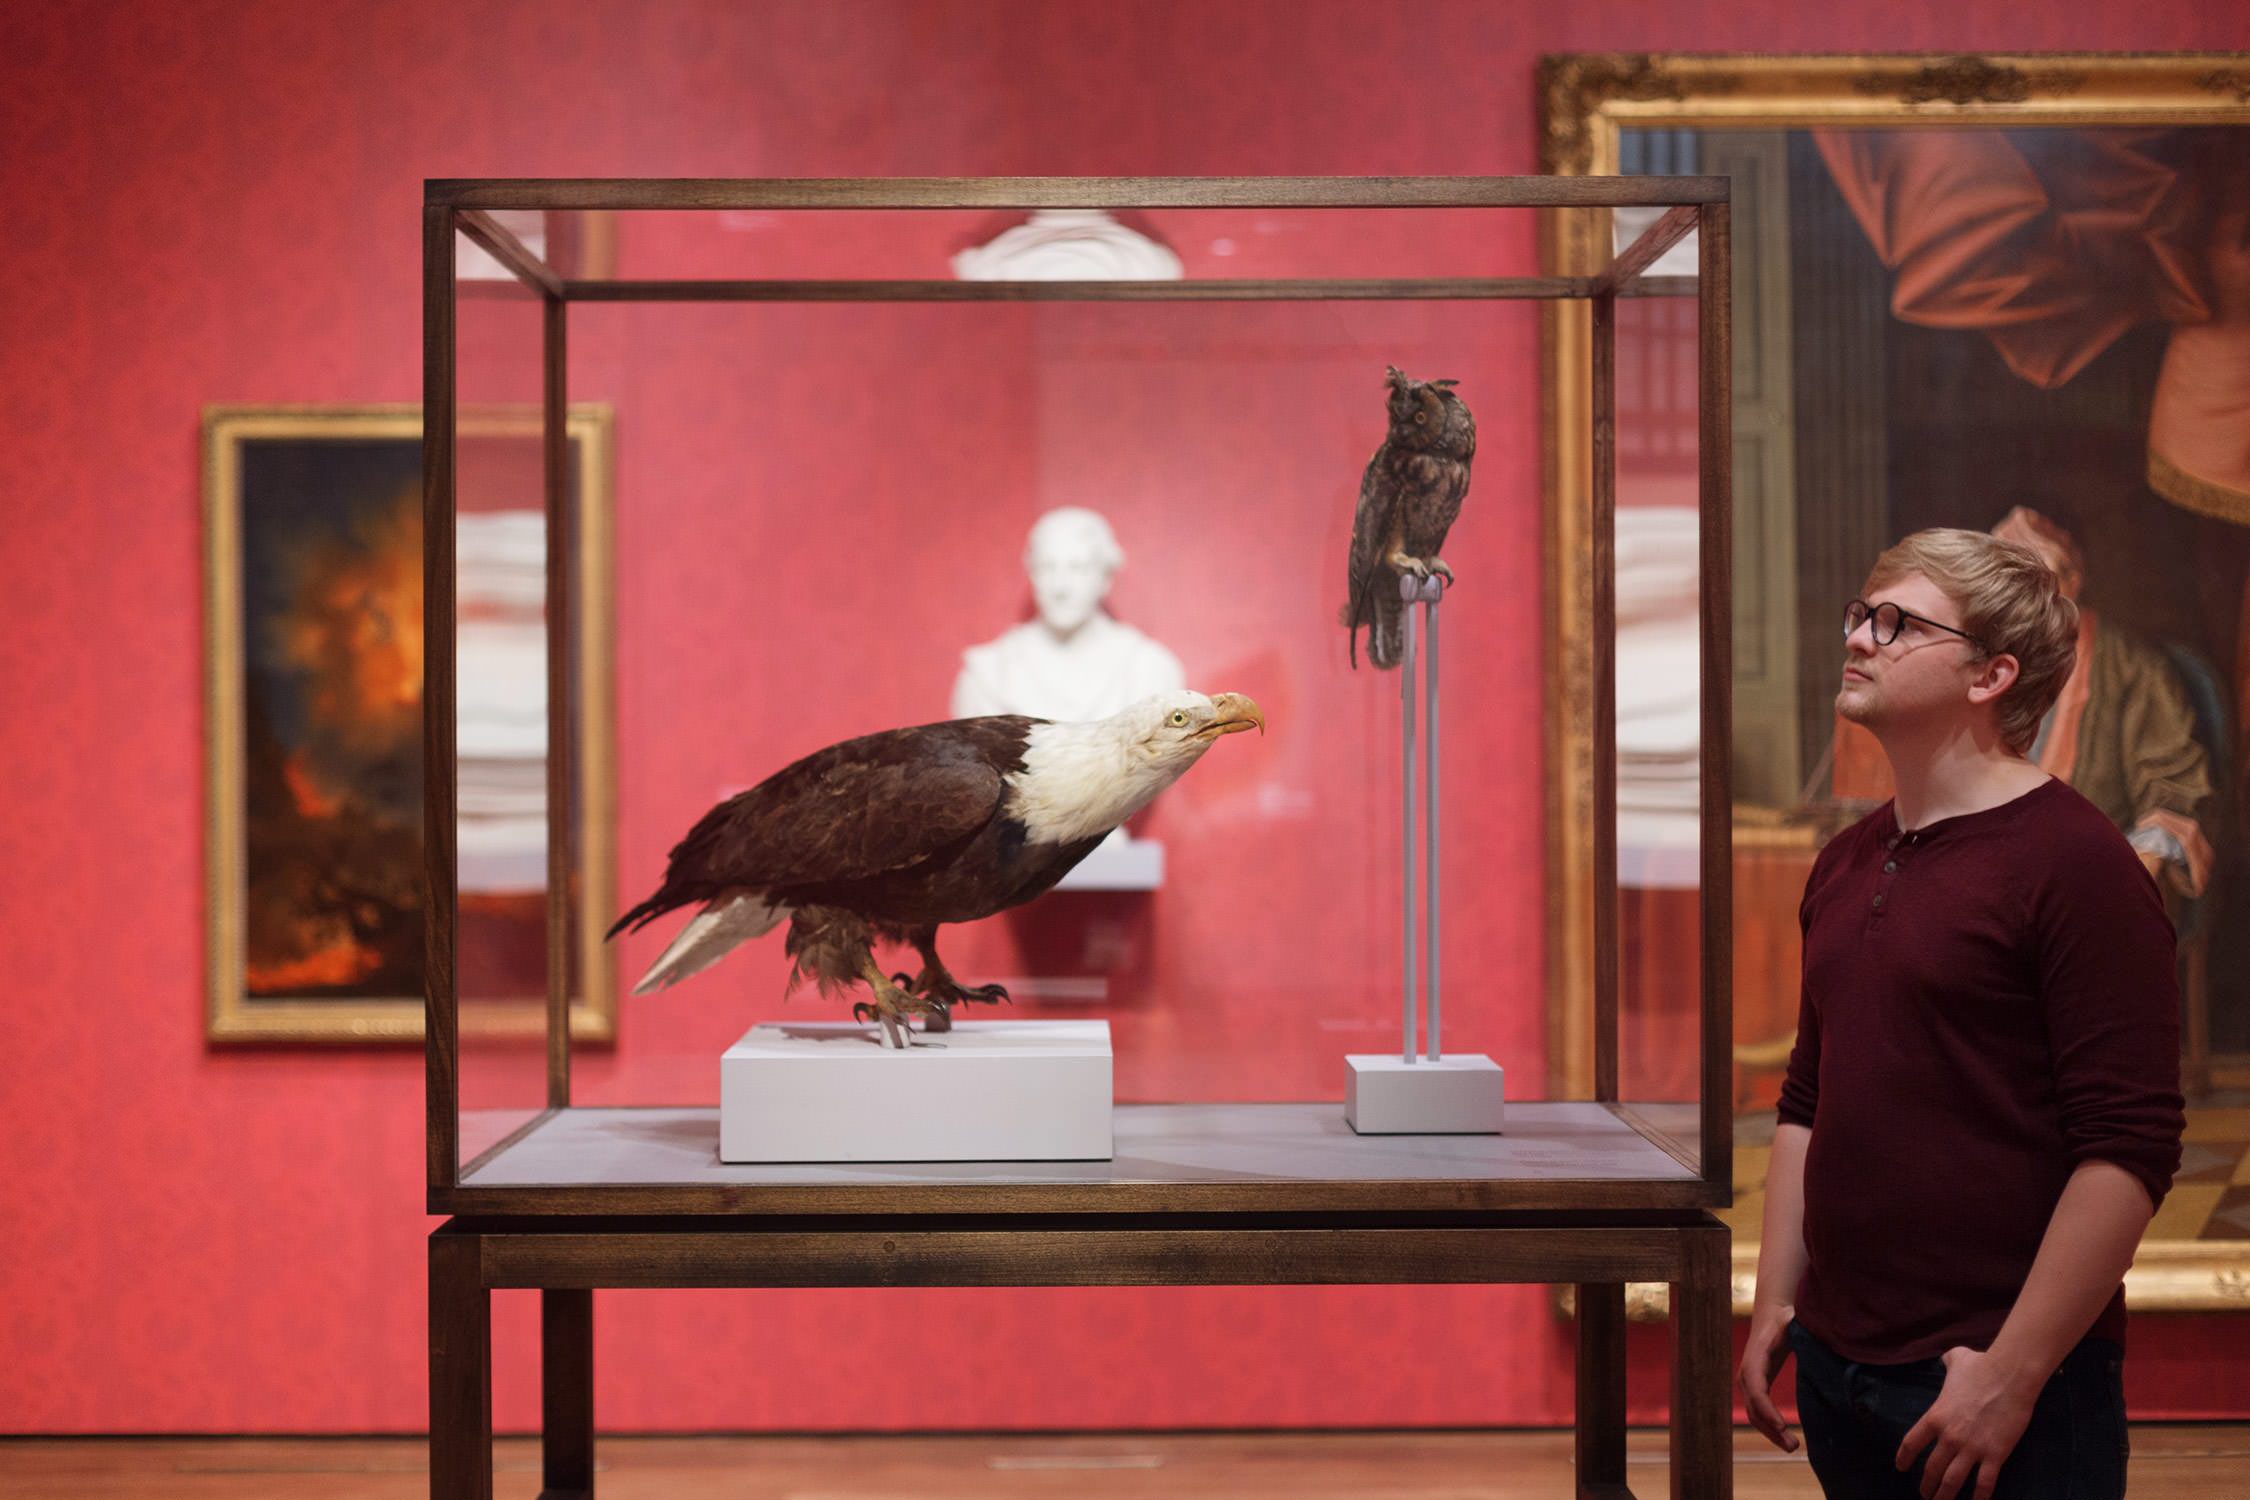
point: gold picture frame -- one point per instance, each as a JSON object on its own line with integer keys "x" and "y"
{"x": 390, "y": 435}
{"x": 1587, "y": 102}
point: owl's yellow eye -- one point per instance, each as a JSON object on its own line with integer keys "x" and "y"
{"x": 1179, "y": 718}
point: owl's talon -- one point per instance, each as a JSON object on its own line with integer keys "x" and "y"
{"x": 1437, "y": 565}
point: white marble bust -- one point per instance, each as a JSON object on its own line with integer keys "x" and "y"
{"x": 1073, "y": 662}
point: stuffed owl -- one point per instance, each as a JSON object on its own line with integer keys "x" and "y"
{"x": 1407, "y": 501}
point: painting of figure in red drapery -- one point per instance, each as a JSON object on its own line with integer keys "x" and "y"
{"x": 2067, "y": 361}
{"x": 2053, "y": 243}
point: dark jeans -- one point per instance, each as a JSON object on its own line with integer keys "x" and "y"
{"x": 1855, "y": 1416}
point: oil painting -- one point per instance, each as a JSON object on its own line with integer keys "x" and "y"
{"x": 314, "y": 625}
{"x": 2008, "y": 294}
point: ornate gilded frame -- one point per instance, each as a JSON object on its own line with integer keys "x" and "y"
{"x": 1585, "y": 100}
{"x": 231, "y": 1016}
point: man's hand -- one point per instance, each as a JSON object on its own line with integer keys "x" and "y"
{"x": 1974, "y": 1425}
{"x": 1762, "y": 1359}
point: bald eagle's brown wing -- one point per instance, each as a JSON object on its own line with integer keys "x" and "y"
{"x": 879, "y": 803}
{"x": 851, "y": 822}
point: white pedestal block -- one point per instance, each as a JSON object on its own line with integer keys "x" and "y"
{"x": 984, "y": 1091}
{"x": 1388, "y": 1095}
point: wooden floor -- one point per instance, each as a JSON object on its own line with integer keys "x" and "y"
{"x": 2170, "y": 1462}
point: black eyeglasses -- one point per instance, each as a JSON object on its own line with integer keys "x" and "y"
{"x": 1889, "y": 619}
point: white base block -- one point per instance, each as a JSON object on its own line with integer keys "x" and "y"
{"x": 1388, "y": 1095}
{"x": 984, "y": 1091}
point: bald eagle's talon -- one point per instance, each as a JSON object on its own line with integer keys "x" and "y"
{"x": 935, "y": 986}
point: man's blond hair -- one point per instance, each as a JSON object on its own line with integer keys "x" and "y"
{"x": 2009, "y": 600}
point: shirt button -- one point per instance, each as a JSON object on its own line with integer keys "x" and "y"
{"x": 1890, "y": 866}
{"x": 1894, "y": 841}
{"x": 1878, "y": 901}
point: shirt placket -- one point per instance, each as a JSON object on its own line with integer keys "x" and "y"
{"x": 1895, "y": 850}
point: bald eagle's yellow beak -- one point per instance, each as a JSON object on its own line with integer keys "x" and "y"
{"x": 1237, "y": 712}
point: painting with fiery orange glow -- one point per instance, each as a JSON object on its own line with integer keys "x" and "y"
{"x": 332, "y": 717}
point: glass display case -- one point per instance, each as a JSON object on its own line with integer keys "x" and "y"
{"x": 841, "y": 407}
{"x": 828, "y": 461}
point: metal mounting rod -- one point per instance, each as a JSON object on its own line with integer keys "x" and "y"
{"x": 1420, "y": 1002}
{"x": 1432, "y": 592}
{"x": 1407, "y": 590}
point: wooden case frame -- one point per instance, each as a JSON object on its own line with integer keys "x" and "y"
{"x": 1699, "y": 1145}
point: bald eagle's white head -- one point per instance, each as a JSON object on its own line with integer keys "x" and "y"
{"x": 1080, "y": 780}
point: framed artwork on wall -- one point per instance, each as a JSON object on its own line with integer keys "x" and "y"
{"x": 1985, "y": 292}
{"x": 313, "y": 671}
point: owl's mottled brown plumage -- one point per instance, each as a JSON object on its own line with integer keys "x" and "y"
{"x": 1408, "y": 499}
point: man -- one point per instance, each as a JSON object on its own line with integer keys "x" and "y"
{"x": 1982, "y": 1110}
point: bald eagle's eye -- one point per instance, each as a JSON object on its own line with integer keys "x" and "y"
{"x": 1178, "y": 718}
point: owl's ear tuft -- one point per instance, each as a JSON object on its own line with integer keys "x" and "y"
{"x": 1445, "y": 385}
{"x": 1395, "y": 375}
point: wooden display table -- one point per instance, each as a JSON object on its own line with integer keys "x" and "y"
{"x": 1198, "y": 1195}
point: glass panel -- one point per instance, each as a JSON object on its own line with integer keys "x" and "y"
{"x": 1659, "y": 722}
{"x": 1196, "y": 244}
{"x": 501, "y": 701}
{"x": 826, "y": 516}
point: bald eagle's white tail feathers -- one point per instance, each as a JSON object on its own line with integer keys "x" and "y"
{"x": 709, "y": 936}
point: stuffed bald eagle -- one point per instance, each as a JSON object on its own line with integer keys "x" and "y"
{"x": 890, "y": 834}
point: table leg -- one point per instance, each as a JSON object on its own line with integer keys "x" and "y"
{"x": 460, "y": 1368}
{"x": 1702, "y": 1367}
{"x": 566, "y": 1332}
{"x": 1601, "y": 1388}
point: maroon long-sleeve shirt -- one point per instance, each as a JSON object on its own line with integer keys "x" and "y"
{"x": 1988, "y": 1001}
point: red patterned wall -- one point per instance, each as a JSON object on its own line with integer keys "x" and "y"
{"x": 217, "y": 202}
